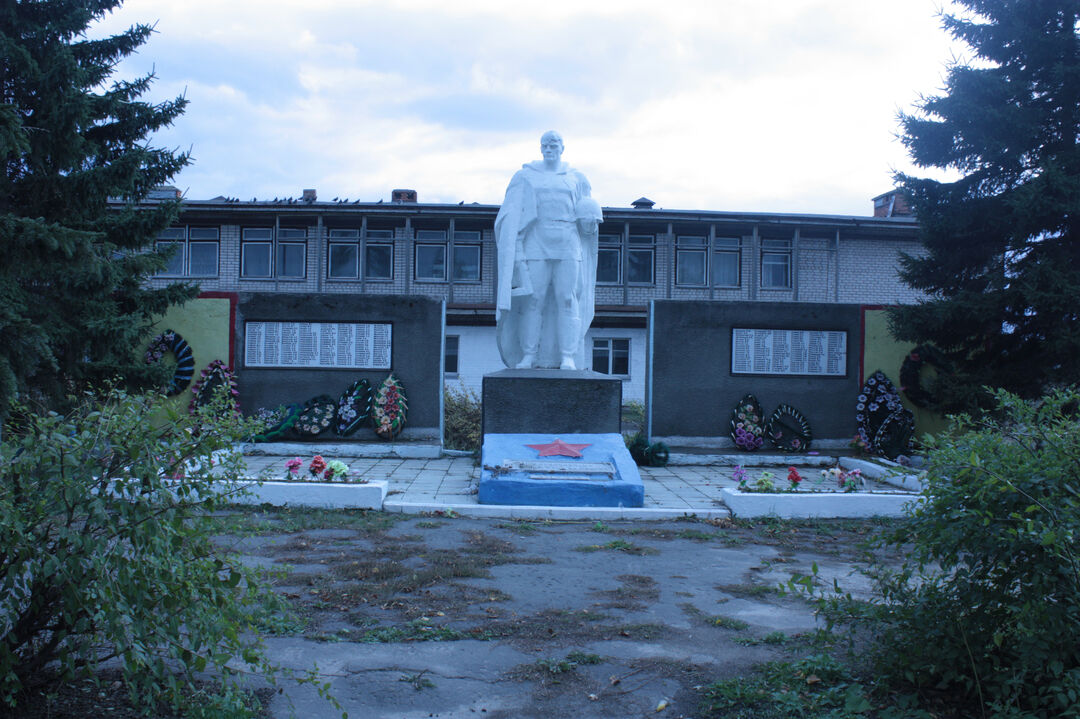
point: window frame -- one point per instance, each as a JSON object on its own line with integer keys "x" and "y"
{"x": 609, "y": 351}
{"x": 692, "y": 246}
{"x": 278, "y": 239}
{"x": 642, "y": 246}
{"x": 454, "y": 340}
{"x": 368, "y": 264}
{"x": 727, "y": 249}
{"x": 612, "y": 244}
{"x": 337, "y": 238}
{"x": 463, "y": 247}
{"x": 776, "y": 252}
{"x": 182, "y": 237}
{"x": 416, "y": 261}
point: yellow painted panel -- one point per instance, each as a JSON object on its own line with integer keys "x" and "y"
{"x": 204, "y": 323}
{"x": 881, "y": 351}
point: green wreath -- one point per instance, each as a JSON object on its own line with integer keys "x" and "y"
{"x": 911, "y": 370}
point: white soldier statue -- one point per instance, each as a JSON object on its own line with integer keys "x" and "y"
{"x": 546, "y": 235}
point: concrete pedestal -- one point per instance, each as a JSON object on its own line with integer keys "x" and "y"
{"x": 551, "y": 401}
{"x": 516, "y": 473}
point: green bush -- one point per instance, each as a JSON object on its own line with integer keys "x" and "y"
{"x": 985, "y": 612}
{"x": 107, "y": 553}
{"x": 462, "y": 419}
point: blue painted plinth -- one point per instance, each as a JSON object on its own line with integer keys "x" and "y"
{"x": 502, "y": 486}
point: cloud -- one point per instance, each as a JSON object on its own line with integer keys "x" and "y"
{"x": 740, "y": 105}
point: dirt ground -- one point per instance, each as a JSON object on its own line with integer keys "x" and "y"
{"x": 441, "y": 616}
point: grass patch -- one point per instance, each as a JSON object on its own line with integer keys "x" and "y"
{"x": 521, "y": 528}
{"x": 747, "y": 590}
{"x": 268, "y": 519}
{"x": 418, "y": 630}
{"x": 428, "y": 524}
{"x": 617, "y": 545}
{"x": 816, "y": 686}
{"x": 418, "y": 681}
{"x": 727, "y": 622}
{"x": 775, "y": 639}
{"x": 572, "y": 661}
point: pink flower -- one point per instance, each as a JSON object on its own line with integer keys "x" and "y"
{"x": 293, "y": 465}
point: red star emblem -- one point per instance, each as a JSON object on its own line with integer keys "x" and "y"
{"x": 558, "y": 448}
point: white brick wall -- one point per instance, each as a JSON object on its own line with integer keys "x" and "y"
{"x": 478, "y": 354}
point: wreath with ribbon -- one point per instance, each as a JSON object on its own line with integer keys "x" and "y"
{"x": 354, "y": 408}
{"x": 884, "y": 424}
{"x": 789, "y": 430}
{"x": 166, "y": 342}
{"x": 277, "y": 421}
{"x": 748, "y": 424}
{"x": 216, "y": 375}
{"x": 389, "y": 408}
{"x": 317, "y": 416}
{"x": 911, "y": 370}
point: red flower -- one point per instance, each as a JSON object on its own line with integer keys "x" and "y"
{"x": 793, "y": 475}
{"x": 318, "y": 464}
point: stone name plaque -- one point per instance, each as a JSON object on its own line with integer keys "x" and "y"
{"x": 324, "y": 345}
{"x": 559, "y": 467}
{"x": 819, "y": 353}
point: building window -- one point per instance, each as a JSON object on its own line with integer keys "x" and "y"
{"x": 466, "y": 258}
{"x": 291, "y": 252}
{"x": 611, "y": 356}
{"x": 430, "y": 258}
{"x": 255, "y": 252}
{"x": 450, "y": 357}
{"x": 379, "y": 255}
{"x": 691, "y": 255}
{"x": 640, "y": 255}
{"x": 195, "y": 254}
{"x": 260, "y": 259}
{"x": 609, "y": 260}
{"x": 776, "y": 264}
{"x": 344, "y": 255}
{"x": 727, "y": 261}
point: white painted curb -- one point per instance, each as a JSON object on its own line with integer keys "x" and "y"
{"x": 326, "y": 495}
{"x": 816, "y": 505}
{"x": 882, "y": 470}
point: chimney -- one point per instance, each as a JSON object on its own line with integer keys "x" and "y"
{"x": 642, "y": 203}
{"x": 310, "y": 195}
{"x": 403, "y": 195}
{"x": 892, "y": 204}
{"x": 164, "y": 192}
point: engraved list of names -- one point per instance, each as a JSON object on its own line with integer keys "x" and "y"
{"x": 317, "y": 344}
{"x": 789, "y": 352}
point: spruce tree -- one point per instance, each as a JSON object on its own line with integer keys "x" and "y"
{"x": 1002, "y": 263}
{"x": 76, "y": 245}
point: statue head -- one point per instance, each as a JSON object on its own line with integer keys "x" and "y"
{"x": 551, "y": 146}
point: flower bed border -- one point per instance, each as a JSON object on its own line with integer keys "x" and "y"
{"x": 816, "y": 505}
{"x": 323, "y": 495}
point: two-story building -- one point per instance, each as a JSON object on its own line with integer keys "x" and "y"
{"x": 447, "y": 251}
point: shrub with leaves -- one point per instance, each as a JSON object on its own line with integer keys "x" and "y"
{"x": 462, "y": 419}
{"x": 107, "y": 553}
{"x": 986, "y": 611}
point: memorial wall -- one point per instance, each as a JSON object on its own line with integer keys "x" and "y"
{"x": 291, "y": 347}
{"x": 705, "y": 356}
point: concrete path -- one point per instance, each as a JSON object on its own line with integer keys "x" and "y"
{"x": 688, "y": 486}
{"x": 450, "y": 483}
{"x": 441, "y": 616}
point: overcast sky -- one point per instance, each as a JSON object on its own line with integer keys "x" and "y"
{"x": 739, "y": 105}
